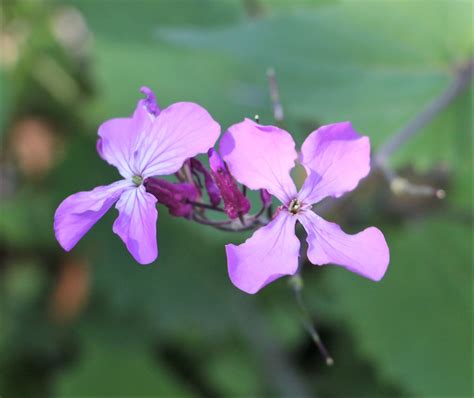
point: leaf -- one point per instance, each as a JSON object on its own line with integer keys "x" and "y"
{"x": 375, "y": 64}
{"x": 415, "y": 323}
{"x": 118, "y": 366}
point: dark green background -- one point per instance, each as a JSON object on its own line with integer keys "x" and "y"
{"x": 179, "y": 327}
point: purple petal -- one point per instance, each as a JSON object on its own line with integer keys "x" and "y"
{"x": 150, "y": 101}
{"x": 179, "y": 132}
{"x": 270, "y": 253}
{"x": 117, "y": 139}
{"x": 136, "y": 224}
{"x": 261, "y": 157}
{"x": 79, "y": 212}
{"x": 365, "y": 253}
{"x": 336, "y": 159}
{"x": 265, "y": 197}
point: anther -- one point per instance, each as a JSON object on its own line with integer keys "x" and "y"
{"x": 294, "y": 206}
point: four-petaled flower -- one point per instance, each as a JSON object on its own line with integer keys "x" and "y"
{"x": 152, "y": 142}
{"x": 335, "y": 158}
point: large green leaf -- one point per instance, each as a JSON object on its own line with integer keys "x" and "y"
{"x": 114, "y": 365}
{"x": 416, "y": 323}
{"x": 374, "y": 63}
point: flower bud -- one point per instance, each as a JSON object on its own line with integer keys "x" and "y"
{"x": 211, "y": 187}
{"x": 150, "y": 101}
{"x": 235, "y": 203}
{"x": 175, "y": 196}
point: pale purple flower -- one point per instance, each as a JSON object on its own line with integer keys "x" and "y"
{"x": 150, "y": 143}
{"x": 335, "y": 158}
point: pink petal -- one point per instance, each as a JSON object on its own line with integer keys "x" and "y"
{"x": 136, "y": 224}
{"x": 79, "y": 212}
{"x": 261, "y": 157}
{"x": 365, "y": 253}
{"x": 336, "y": 158}
{"x": 179, "y": 132}
{"x": 117, "y": 139}
{"x": 270, "y": 253}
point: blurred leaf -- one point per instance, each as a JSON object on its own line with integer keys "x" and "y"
{"x": 25, "y": 223}
{"x": 375, "y": 64}
{"x": 115, "y": 365}
{"x": 5, "y": 103}
{"x": 234, "y": 372}
{"x": 22, "y": 283}
{"x": 415, "y": 324}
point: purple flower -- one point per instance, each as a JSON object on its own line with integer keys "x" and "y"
{"x": 150, "y": 143}
{"x": 235, "y": 203}
{"x": 335, "y": 158}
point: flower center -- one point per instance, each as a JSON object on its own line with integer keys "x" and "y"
{"x": 295, "y": 206}
{"x": 137, "y": 180}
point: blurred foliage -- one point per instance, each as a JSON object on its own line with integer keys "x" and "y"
{"x": 94, "y": 323}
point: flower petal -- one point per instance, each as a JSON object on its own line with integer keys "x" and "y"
{"x": 136, "y": 224}
{"x": 80, "y": 211}
{"x": 365, "y": 253}
{"x": 261, "y": 157}
{"x": 336, "y": 159}
{"x": 270, "y": 253}
{"x": 117, "y": 139}
{"x": 179, "y": 132}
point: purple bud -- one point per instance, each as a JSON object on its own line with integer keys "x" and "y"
{"x": 175, "y": 196}
{"x": 265, "y": 197}
{"x": 150, "y": 101}
{"x": 235, "y": 203}
{"x": 211, "y": 187}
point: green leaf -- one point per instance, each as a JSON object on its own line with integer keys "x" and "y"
{"x": 415, "y": 323}
{"x": 375, "y": 64}
{"x": 115, "y": 365}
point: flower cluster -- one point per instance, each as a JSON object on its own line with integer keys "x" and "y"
{"x": 155, "y": 142}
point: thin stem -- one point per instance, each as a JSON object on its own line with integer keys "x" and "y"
{"x": 461, "y": 82}
{"x": 260, "y": 212}
{"x": 275, "y": 96}
{"x": 206, "y": 206}
{"x": 211, "y": 223}
{"x": 248, "y": 227}
{"x": 306, "y": 320}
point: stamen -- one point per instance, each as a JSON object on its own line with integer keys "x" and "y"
{"x": 295, "y": 206}
{"x": 137, "y": 180}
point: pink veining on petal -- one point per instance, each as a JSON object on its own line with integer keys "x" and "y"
{"x": 336, "y": 158}
{"x": 260, "y": 157}
{"x": 136, "y": 224}
{"x": 270, "y": 253}
{"x": 365, "y": 253}
{"x": 181, "y": 131}
{"x": 76, "y": 215}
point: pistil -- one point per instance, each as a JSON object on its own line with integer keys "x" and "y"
{"x": 295, "y": 206}
{"x": 137, "y": 180}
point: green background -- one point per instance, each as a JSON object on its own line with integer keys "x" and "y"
{"x": 179, "y": 328}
